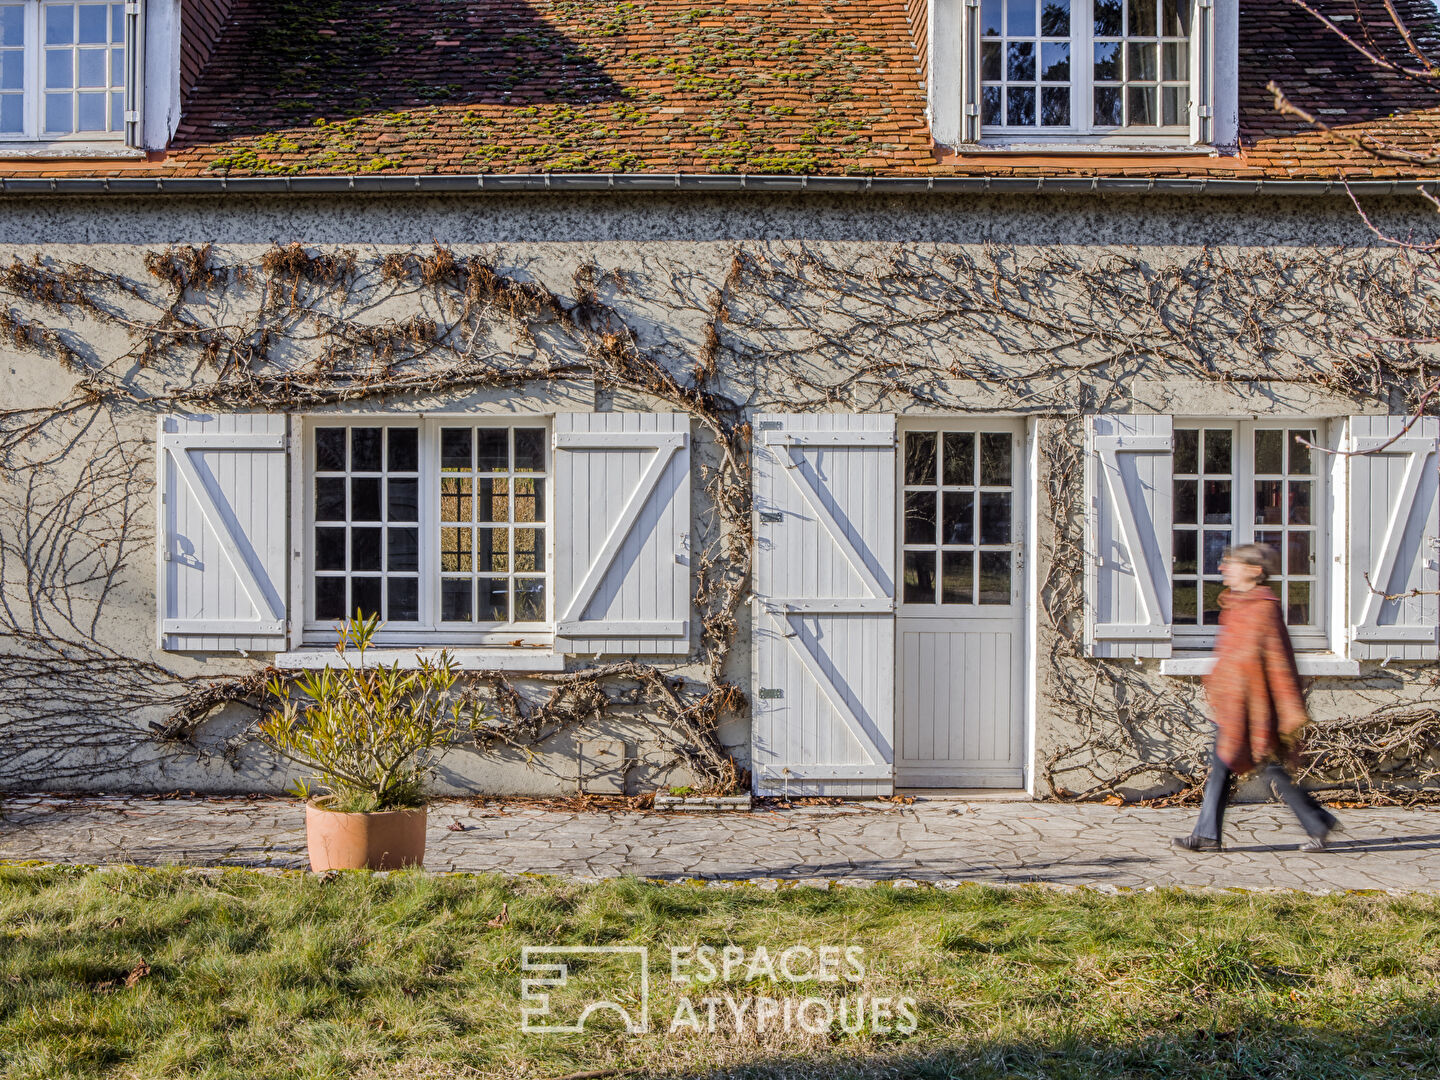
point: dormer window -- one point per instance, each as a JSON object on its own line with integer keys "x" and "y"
{"x": 1087, "y": 66}
{"x": 64, "y": 69}
{"x": 1092, "y": 73}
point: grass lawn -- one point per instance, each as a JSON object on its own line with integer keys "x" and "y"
{"x": 163, "y": 973}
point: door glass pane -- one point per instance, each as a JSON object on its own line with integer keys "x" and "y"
{"x": 1300, "y": 453}
{"x": 494, "y": 599}
{"x": 1184, "y": 553}
{"x": 492, "y": 449}
{"x": 919, "y": 577}
{"x": 1297, "y": 603}
{"x": 330, "y": 449}
{"x": 1217, "y": 502}
{"x": 1217, "y": 450}
{"x": 1216, "y": 541}
{"x": 402, "y": 499}
{"x": 455, "y": 501}
{"x": 920, "y": 457}
{"x": 959, "y": 524}
{"x": 330, "y": 598}
{"x": 364, "y": 549}
{"x": 529, "y": 599}
{"x": 494, "y": 501}
{"x": 365, "y": 449}
{"x": 1268, "y": 499}
{"x": 994, "y": 577}
{"x": 403, "y": 602}
{"x": 995, "y": 517}
{"x": 330, "y": 549}
{"x": 1187, "y": 452}
{"x": 402, "y": 549}
{"x": 529, "y": 449}
{"x": 365, "y": 498}
{"x": 329, "y": 498}
{"x": 1270, "y": 451}
{"x": 1183, "y": 603}
{"x": 455, "y": 448}
{"x": 957, "y": 580}
{"x": 456, "y": 600}
{"x": 1186, "y": 503}
{"x": 960, "y": 458}
{"x": 1299, "y": 502}
{"x": 364, "y": 596}
{"x": 404, "y": 449}
{"x": 1298, "y": 557}
{"x": 995, "y": 459}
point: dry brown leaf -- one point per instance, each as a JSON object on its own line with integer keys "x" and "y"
{"x": 1114, "y": 800}
{"x": 138, "y": 972}
{"x": 502, "y": 918}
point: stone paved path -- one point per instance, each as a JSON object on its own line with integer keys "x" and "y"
{"x": 929, "y": 840}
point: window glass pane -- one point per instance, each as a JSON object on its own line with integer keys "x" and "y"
{"x": 329, "y": 598}
{"x": 1176, "y": 65}
{"x": 957, "y": 579}
{"x": 1107, "y": 106}
{"x": 455, "y": 448}
{"x": 117, "y": 111}
{"x": 990, "y": 52}
{"x": 1187, "y": 451}
{"x": 995, "y": 459}
{"x": 1217, "y": 450}
{"x": 329, "y": 498}
{"x": 93, "y": 20}
{"x": 455, "y": 501}
{"x": 1142, "y": 61}
{"x": 402, "y": 449}
{"x": 59, "y": 24}
{"x": 365, "y": 498}
{"x": 329, "y": 549}
{"x": 1299, "y": 502}
{"x": 1217, "y": 502}
{"x": 959, "y": 524}
{"x": 920, "y": 457}
{"x": 1140, "y": 18}
{"x": 919, "y": 577}
{"x": 365, "y": 449}
{"x": 117, "y": 22}
{"x": 1055, "y": 106}
{"x": 1055, "y": 18}
{"x": 960, "y": 458}
{"x": 494, "y": 599}
{"x": 456, "y": 599}
{"x": 59, "y": 69}
{"x": 990, "y": 18}
{"x": 364, "y": 549}
{"x": 492, "y": 449}
{"x": 1185, "y": 502}
{"x": 365, "y": 595}
{"x": 1107, "y": 18}
{"x": 492, "y": 551}
{"x": 1107, "y": 61}
{"x": 529, "y": 500}
{"x": 529, "y": 599}
{"x": 1175, "y": 104}
{"x": 1297, "y": 603}
{"x": 1300, "y": 454}
{"x": 12, "y": 70}
{"x": 455, "y": 551}
{"x": 994, "y": 577}
{"x": 12, "y": 25}
{"x": 1175, "y": 18}
{"x": 330, "y": 449}
{"x": 990, "y": 104}
{"x": 494, "y": 501}
{"x": 529, "y": 449}
{"x": 1183, "y": 603}
{"x": 529, "y": 550}
{"x": 1216, "y": 543}
{"x": 1020, "y": 18}
{"x": 995, "y": 517}
{"x": 920, "y": 517}
{"x": 1184, "y": 551}
{"x": 1055, "y": 63}
{"x": 402, "y": 549}
{"x": 1210, "y": 603}
{"x": 1020, "y": 62}
{"x": 91, "y": 112}
{"x": 403, "y": 602}
{"x": 1268, "y": 497}
{"x": 1141, "y": 101}
{"x": 1299, "y": 559}
{"x": 12, "y": 114}
{"x": 1020, "y": 105}
{"x": 402, "y": 499}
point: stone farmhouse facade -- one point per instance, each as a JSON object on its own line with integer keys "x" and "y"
{"x": 819, "y": 398}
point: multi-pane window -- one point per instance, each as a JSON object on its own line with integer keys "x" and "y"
{"x": 62, "y": 70}
{"x": 439, "y": 524}
{"x": 492, "y": 525}
{"x": 1246, "y": 483}
{"x": 1085, "y": 66}
{"x": 959, "y": 505}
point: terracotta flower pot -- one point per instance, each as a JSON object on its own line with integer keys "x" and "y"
{"x": 382, "y": 840}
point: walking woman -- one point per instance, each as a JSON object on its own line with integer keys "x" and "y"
{"x": 1256, "y": 699}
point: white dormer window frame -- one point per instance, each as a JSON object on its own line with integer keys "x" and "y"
{"x": 70, "y": 75}
{"x": 1088, "y": 75}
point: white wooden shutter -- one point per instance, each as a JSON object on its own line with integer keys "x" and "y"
{"x": 1128, "y": 495}
{"x": 823, "y": 700}
{"x": 222, "y": 532}
{"x": 622, "y": 540}
{"x": 1202, "y": 82}
{"x": 1393, "y": 530}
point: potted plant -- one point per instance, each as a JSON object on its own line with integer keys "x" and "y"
{"x": 369, "y": 734}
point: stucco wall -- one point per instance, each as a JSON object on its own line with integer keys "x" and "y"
{"x": 689, "y": 242}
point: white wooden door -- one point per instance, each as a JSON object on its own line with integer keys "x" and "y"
{"x": 824, "y": 633}
{"x": 961, "y": 613}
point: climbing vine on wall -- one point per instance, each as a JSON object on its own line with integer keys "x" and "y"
{"x": 1049, "y": 331}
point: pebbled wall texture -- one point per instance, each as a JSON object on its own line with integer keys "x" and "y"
{"x": 690, "y": 240}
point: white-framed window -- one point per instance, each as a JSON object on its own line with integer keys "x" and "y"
{"x": 1086, "y": 67}
{"x": 440, "y": 525}
{"x": 1242, "y": 482}
{"x": 63, "y": 71}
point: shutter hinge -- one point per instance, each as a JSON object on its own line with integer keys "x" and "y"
{"x": 972, "y": 3}
{"x": 132, "y": 7}
{"x": 1205, "y": 4}
{"x": 1204, "y": 111}
{"x": 972, "y": 109}
{"x": 132, "y": 116}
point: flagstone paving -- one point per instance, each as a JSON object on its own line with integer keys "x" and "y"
{"x": 928, "y": 840}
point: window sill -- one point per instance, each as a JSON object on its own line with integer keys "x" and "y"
{"x": 56, "y": 151}
{"x": 1032, "y": 147}
{"x": 1315, "y": 665}
{"x": 537, "y": 660}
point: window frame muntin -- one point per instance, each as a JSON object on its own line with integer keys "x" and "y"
{"x": 1082, "y": 101}
{"x": 1313, "y": 638}
{"x": 432, "y": 633}
{"x": 33, "y": 92}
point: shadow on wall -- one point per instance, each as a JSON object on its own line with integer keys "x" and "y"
{"x": 299, "y": 61}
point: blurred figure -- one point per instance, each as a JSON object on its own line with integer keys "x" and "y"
{"x": 1256, "y": 700}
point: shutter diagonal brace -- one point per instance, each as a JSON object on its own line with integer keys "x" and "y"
{"x": 1108, "y": 448}
{"x": 1419, "y": 454}
{"x": 179, "y": 447}
{"x": 666, "y": 445}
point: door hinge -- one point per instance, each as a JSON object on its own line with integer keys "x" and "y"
{"x": 771, "y": 693}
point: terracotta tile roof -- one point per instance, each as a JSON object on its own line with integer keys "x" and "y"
{"x": 832, "y": 87}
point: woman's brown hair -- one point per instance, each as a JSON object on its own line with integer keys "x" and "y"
{"x": 1266, "y": 558}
